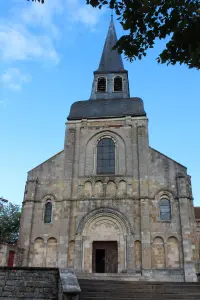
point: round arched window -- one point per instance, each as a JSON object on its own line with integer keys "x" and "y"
{"x": 106, "y": 156}
{"x": 118, "y": 84}
{"x": 165, "y": 209}
{"x": 101, "y": 84}
{"x": 48, "y": 212}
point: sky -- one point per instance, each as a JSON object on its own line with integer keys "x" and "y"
{"x": 47, "y": 57}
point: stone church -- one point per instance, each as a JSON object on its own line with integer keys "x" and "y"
{"x": 108, "y": 202}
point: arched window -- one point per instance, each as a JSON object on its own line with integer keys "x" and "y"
{"x": 101, "y": 84}
{"x": 165, "y": 210}
{"x": 106, "y": 156}
{"x": 48, "y": 212}
{"x": 118, "y": 84}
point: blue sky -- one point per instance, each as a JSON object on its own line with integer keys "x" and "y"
{"x": 48, "y": 54}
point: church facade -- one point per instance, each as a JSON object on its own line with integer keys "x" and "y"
{"x": 108, "y": 202}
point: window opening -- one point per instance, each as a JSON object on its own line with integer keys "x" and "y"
{"x": 101, "y": 84}
{"x": 106, "y": 156}
{"x": 48, "y": 212}
{"x": 118, "y": 84}
{"x": 165, "y": 209}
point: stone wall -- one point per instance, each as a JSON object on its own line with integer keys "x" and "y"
{"x": 4, "y": 253}
{"x": 28, "y": 283}
{"x": 130, "y": 199}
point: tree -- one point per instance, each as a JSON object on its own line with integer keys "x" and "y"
{"x": 9, "y": 222}
{"x": 148, "y": 20}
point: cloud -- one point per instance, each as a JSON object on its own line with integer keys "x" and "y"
{"x": 82, "y": 13}
{"x": 13, "y": 79}
{"x": 29, "y": 31}
{"x": 17, "y": 44}
{"x": 43, "y": 15}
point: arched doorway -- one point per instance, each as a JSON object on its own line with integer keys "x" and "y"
{"x": 103, "y": 236}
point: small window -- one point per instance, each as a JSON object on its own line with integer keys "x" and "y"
{"x": 165, "y": 210}
{"x": 101, "y": 84}
{"x": 118, "y": 84}
{"x": 48, "y": 212}
{"x": 106, "y": 156}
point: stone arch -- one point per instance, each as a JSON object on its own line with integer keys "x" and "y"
{"x": 71, "y": 253}
{"x": 105, "y": 211}
{"x": 122, "y": 188}
{"x": 87, "y": 190}
{"x": 158, "y": 253}
{"x": 98, "y": 189}
{"x": 38, "y": 258}
{"x": 91, "y": 152}
{"x": 163, "y": 192}
{"x": 51, "y": 256}
{"x": 137, "y": 254}
{"x": 111, "y": 189}
{"x": 173, "y": 254}
{"x": 102, "y": 225}
{"x": 49, "y": 198}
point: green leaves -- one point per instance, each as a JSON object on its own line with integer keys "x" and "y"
{"x": 41, "y": 1}
{"x": 9, "y": 222}
{"x": 147, "y": 20}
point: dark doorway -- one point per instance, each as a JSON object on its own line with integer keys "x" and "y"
{"x": 105, "y": 257}
{"x": 100, "y": 260}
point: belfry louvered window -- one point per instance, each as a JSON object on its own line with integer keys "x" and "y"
{"x": 48, "y": 212}
{"x": 165, "y": 210}
{"x": 101, "y": 84}
{"x": 106, "y": 156}
{"x": 118, "y": 84}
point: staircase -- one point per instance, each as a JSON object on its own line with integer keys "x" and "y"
{"x": 125, "y": 290}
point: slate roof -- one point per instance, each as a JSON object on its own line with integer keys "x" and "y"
{"x": 106, "y": 108}
{"x": 111, "y": 60}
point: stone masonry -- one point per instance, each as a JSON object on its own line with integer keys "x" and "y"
{"x": 123, "y": 207}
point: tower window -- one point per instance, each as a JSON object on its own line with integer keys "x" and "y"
{"x": 118, "y": 84}
{"x": 106, "y": 156}
{"x": 165, "y": 210}
{"x": 48, "y": 212}
{"x": 101, "y": 84}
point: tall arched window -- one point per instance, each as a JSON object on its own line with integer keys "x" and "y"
{"x": 106, "y": 156}
{"x": 101, "y": 84}
{"x": 165, "y": 210}
{"x": 48, "y": 212}
{"x": 118, "y": 84}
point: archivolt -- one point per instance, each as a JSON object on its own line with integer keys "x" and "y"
{"x": 105, "y": 212}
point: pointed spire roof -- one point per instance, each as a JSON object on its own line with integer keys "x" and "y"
{"x": 111, "y": 60}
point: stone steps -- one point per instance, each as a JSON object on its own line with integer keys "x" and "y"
{"x": 110, "y": 276}
{"x": 94, "y": 289}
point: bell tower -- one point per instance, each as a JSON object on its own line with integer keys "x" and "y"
{"x": 110, "y": 79}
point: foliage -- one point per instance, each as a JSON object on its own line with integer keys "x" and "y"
{"x": 42, "y": 1}
{"x": 9, "y": 222}
{"x": 148, "y": 20}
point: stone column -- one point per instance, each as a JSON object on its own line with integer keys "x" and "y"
{"x": 143, "y": 155}
{"x": 26, "y": 221}
{"x": 67, "y": 232}
{"x": 130, "y": 254}
{"x": 186, "y": 230}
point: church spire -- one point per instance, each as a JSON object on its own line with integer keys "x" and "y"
{"x": 111, "y": 60}
{"x": 110, "y": 79}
